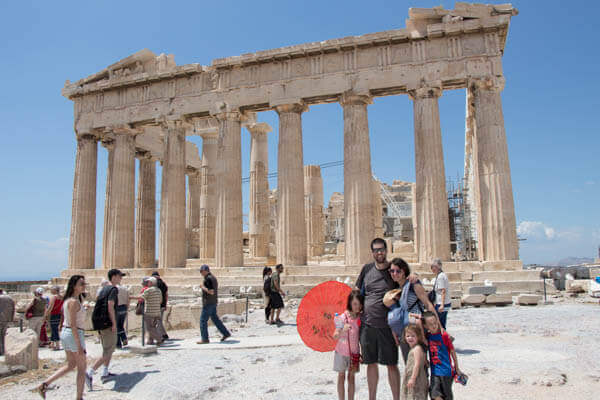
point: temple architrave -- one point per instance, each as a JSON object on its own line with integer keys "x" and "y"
{"x": 145, "y": 106}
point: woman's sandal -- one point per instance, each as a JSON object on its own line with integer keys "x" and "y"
{"x": 41, "y": 390}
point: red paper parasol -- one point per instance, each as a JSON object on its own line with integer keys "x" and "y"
{"x": 316, "y": 312}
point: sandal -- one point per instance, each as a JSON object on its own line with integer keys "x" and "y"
{"x": 278, "y": 321}
{"x": 41, "y": 390}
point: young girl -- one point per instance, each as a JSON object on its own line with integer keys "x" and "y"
{"x": 414, "y": 382}
{"x": 347, "y": 352}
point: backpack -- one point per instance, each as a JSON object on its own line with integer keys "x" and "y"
{"x": 100, "y": 317}
{"x": 267, "y": 286}
{"x": 397, "y": 317}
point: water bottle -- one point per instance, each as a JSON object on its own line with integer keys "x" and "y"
{"x": 337, "y": 320}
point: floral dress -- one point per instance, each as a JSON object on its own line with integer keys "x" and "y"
{"x": 421, "y": 388}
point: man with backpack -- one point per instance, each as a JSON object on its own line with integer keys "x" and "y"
{"x": 105, "y": 322}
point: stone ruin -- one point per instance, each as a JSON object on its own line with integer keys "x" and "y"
{"x": 145, "y": 106}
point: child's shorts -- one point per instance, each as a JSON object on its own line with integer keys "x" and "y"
{"x": 68, "y": 340}
{"x": 441, "y": 386}
{"x": 341, "y": 363}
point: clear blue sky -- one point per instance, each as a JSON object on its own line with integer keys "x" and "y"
{"x": 551, "y": 107}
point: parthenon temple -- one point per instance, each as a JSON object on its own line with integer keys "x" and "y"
{"x": 145, "y": 106}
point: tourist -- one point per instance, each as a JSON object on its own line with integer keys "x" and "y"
{"x": 441, "y": 288}
{"x": 152, "y": 297}
{"x": 7, "y": 315}
{"x": 276, "y": 296}
{"x": 209, "y": 306}
{"x": 376, "y": 338}
{"x": 267, "y": 272}
{"x": 442, "y": 358}
{"x": 122, "y": 310}
{"x": 164, "y": 289}
{"x": 72, "y": 336}
{"x": 54, "y": 316}
{"x": 36, "y": 311}
{"x": 414, "y": 383}
{"x": 104, "y": 319}
{"x": 346, "y": 357}
{"x": 104, "y": 283}
{"x": 416, "y": 299}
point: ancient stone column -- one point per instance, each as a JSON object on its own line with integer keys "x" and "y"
{"x": 258, "y": 221}
{"x": 358, "y": 180}
{"x": 120, "y": 228}
{"x": 430, "y": 190}
{"x": 313, "y": 206}
{"x": 193, "y": 212}
{"x": 145, "y": 220}
{"x": 82, "y": 241}
{"x": 377, "y": 210}
{"x": 471, "y": 177}
{"x": 108, "y": 143}
{"x": 172, "y": 251}
{"x": 291, "y": 229}
{"x": 497, "y": 226}
{"x": 228, "y": 243}
{"x": 208, "y": 198}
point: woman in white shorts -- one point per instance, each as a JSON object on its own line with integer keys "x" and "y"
{"x": 71, "y": 336}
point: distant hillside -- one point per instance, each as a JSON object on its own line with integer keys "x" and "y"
{"x": 574, "y": 260}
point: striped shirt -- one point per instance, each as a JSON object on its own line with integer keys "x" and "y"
{"x": 152, "y": 298}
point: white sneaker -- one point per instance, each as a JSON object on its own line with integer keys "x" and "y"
{"x": 88, "y": 381}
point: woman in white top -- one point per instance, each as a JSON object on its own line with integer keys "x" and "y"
{"x": 72, "y": 336}
{"x": 442, "y": 291}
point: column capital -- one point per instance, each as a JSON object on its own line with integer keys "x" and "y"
{"x": 191, "y": 171}
{"x": 291, "y": 108}
{"x": 143, "y": 154}
{"x": 426, "y": 91}
{"x": 351, "y": 98}
{"x": 88, "y": 134}
{"x": 173, "y": 123}
{"x": 123, "y": 130}
{"x": 491, "y": 83}
{"x": 258, "y": 128}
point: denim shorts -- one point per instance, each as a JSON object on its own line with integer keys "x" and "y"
{"x": 68, "y": 340}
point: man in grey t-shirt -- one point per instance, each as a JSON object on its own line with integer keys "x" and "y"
{"x": 376, "y": 339}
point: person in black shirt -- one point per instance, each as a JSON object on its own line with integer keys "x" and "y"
{"x": 163, "y": 306}
{"x": 209, "y": 306}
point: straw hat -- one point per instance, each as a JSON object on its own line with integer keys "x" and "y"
{"x": 389, "y": 298}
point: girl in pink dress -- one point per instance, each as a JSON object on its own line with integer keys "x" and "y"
{"x": 347, "y": 352}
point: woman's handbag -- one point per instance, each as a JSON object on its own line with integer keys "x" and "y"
{"x": 432, "y": 295}
{"x": 354, "y": 357}
{"x": 139, "y": 307}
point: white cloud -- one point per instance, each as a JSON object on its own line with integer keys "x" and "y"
{"x": 537, "y": 230}
{"x": 590, "y": 183}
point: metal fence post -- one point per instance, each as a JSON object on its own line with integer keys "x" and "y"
{"x": 143, "y": 329}
{"x": 246, "y": 308}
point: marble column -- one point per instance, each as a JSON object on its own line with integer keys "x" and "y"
{"x": 229, "y": 242}
{"x": 358, "y": 180}
{"x": 172, "y": 250}
{"x": 208, "y": 198}
{"x": 120, "y": 218}
{"x": 145, "y": 220}
{"x": 193, "y": 212}
{"x": 497, "y": 225}
{"x": 377, "y": 210}
{"x": 259, "y": 217}
{"x": 291, "y": 232}
{"x": 471, "y": 178}
{"x": 109, "y": 145}
{"x": 313, "y": 206}
{"x": 433, "y": 228}
{"x": 82, "y": 240}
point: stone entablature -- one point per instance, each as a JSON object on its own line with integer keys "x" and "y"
{"x": 446, "y": 46}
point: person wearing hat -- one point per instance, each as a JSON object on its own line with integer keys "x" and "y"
{"x": 164, "y": 289}
{"x": 108, "y": 336}
{"x": 37, "y": 309}
{"x": 209, "y": 306}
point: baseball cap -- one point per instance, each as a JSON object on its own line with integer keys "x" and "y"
{"x": 39, "y": 290}
{"x": 114, "y": 272}
{"x": 204, "y": 267}
{"x": 155, "y": 273}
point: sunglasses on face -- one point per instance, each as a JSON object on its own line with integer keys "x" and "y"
{"x": 394, "y": 271}
{"x": 379, "y": 250}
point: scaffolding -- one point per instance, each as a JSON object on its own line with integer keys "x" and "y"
{"x": 463, "y": 244}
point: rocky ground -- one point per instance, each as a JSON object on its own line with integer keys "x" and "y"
{"x": 543, "y": 352}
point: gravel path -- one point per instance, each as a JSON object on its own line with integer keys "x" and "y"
{"x": 544, "y": 352}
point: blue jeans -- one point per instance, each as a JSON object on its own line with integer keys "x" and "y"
{"x": 443, "y": 315}
{"x": 121, "y": 317}
{"x": 210, "y": 311}
{"x": 54, "y": 323}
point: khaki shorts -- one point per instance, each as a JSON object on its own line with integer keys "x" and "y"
{"x": 109, "y": 341}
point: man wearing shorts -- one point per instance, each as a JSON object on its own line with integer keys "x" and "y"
{"x": 108, "y": 336}
{"x": 376, "y": 340}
